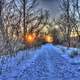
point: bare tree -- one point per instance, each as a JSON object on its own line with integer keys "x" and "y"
{"x": 68, "y": 18}
{"x": 6, "y": 45}
{"x": 21, "y": 17}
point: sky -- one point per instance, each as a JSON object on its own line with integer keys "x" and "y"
{"x": 52, "y": 6}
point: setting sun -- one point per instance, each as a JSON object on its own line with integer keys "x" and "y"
{"x": 30, "y": 38}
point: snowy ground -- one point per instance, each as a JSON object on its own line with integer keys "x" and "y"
{"x": 45, "y": 63}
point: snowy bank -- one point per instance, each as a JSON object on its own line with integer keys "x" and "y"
{"x": 71, "y": 54}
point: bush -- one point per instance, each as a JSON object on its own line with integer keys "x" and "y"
{"x": 78, "y": 45}
{"x": 73, "y": 53}
{"x": 39, "y": 42}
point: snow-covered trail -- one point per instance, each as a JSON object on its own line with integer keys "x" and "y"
{"x": 45, "y": 63}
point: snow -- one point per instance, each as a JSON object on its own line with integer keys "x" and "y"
{"x": 66, "y": 54}
{"x": 45, "y": 63}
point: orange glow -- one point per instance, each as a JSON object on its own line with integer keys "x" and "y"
{"x": 30, "y": 38}
{"x": 49, "y": 39}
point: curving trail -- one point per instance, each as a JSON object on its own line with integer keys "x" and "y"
{"x": 45, "y": 63}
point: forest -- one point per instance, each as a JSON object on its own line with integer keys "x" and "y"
{"x": 24, "y": 25}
